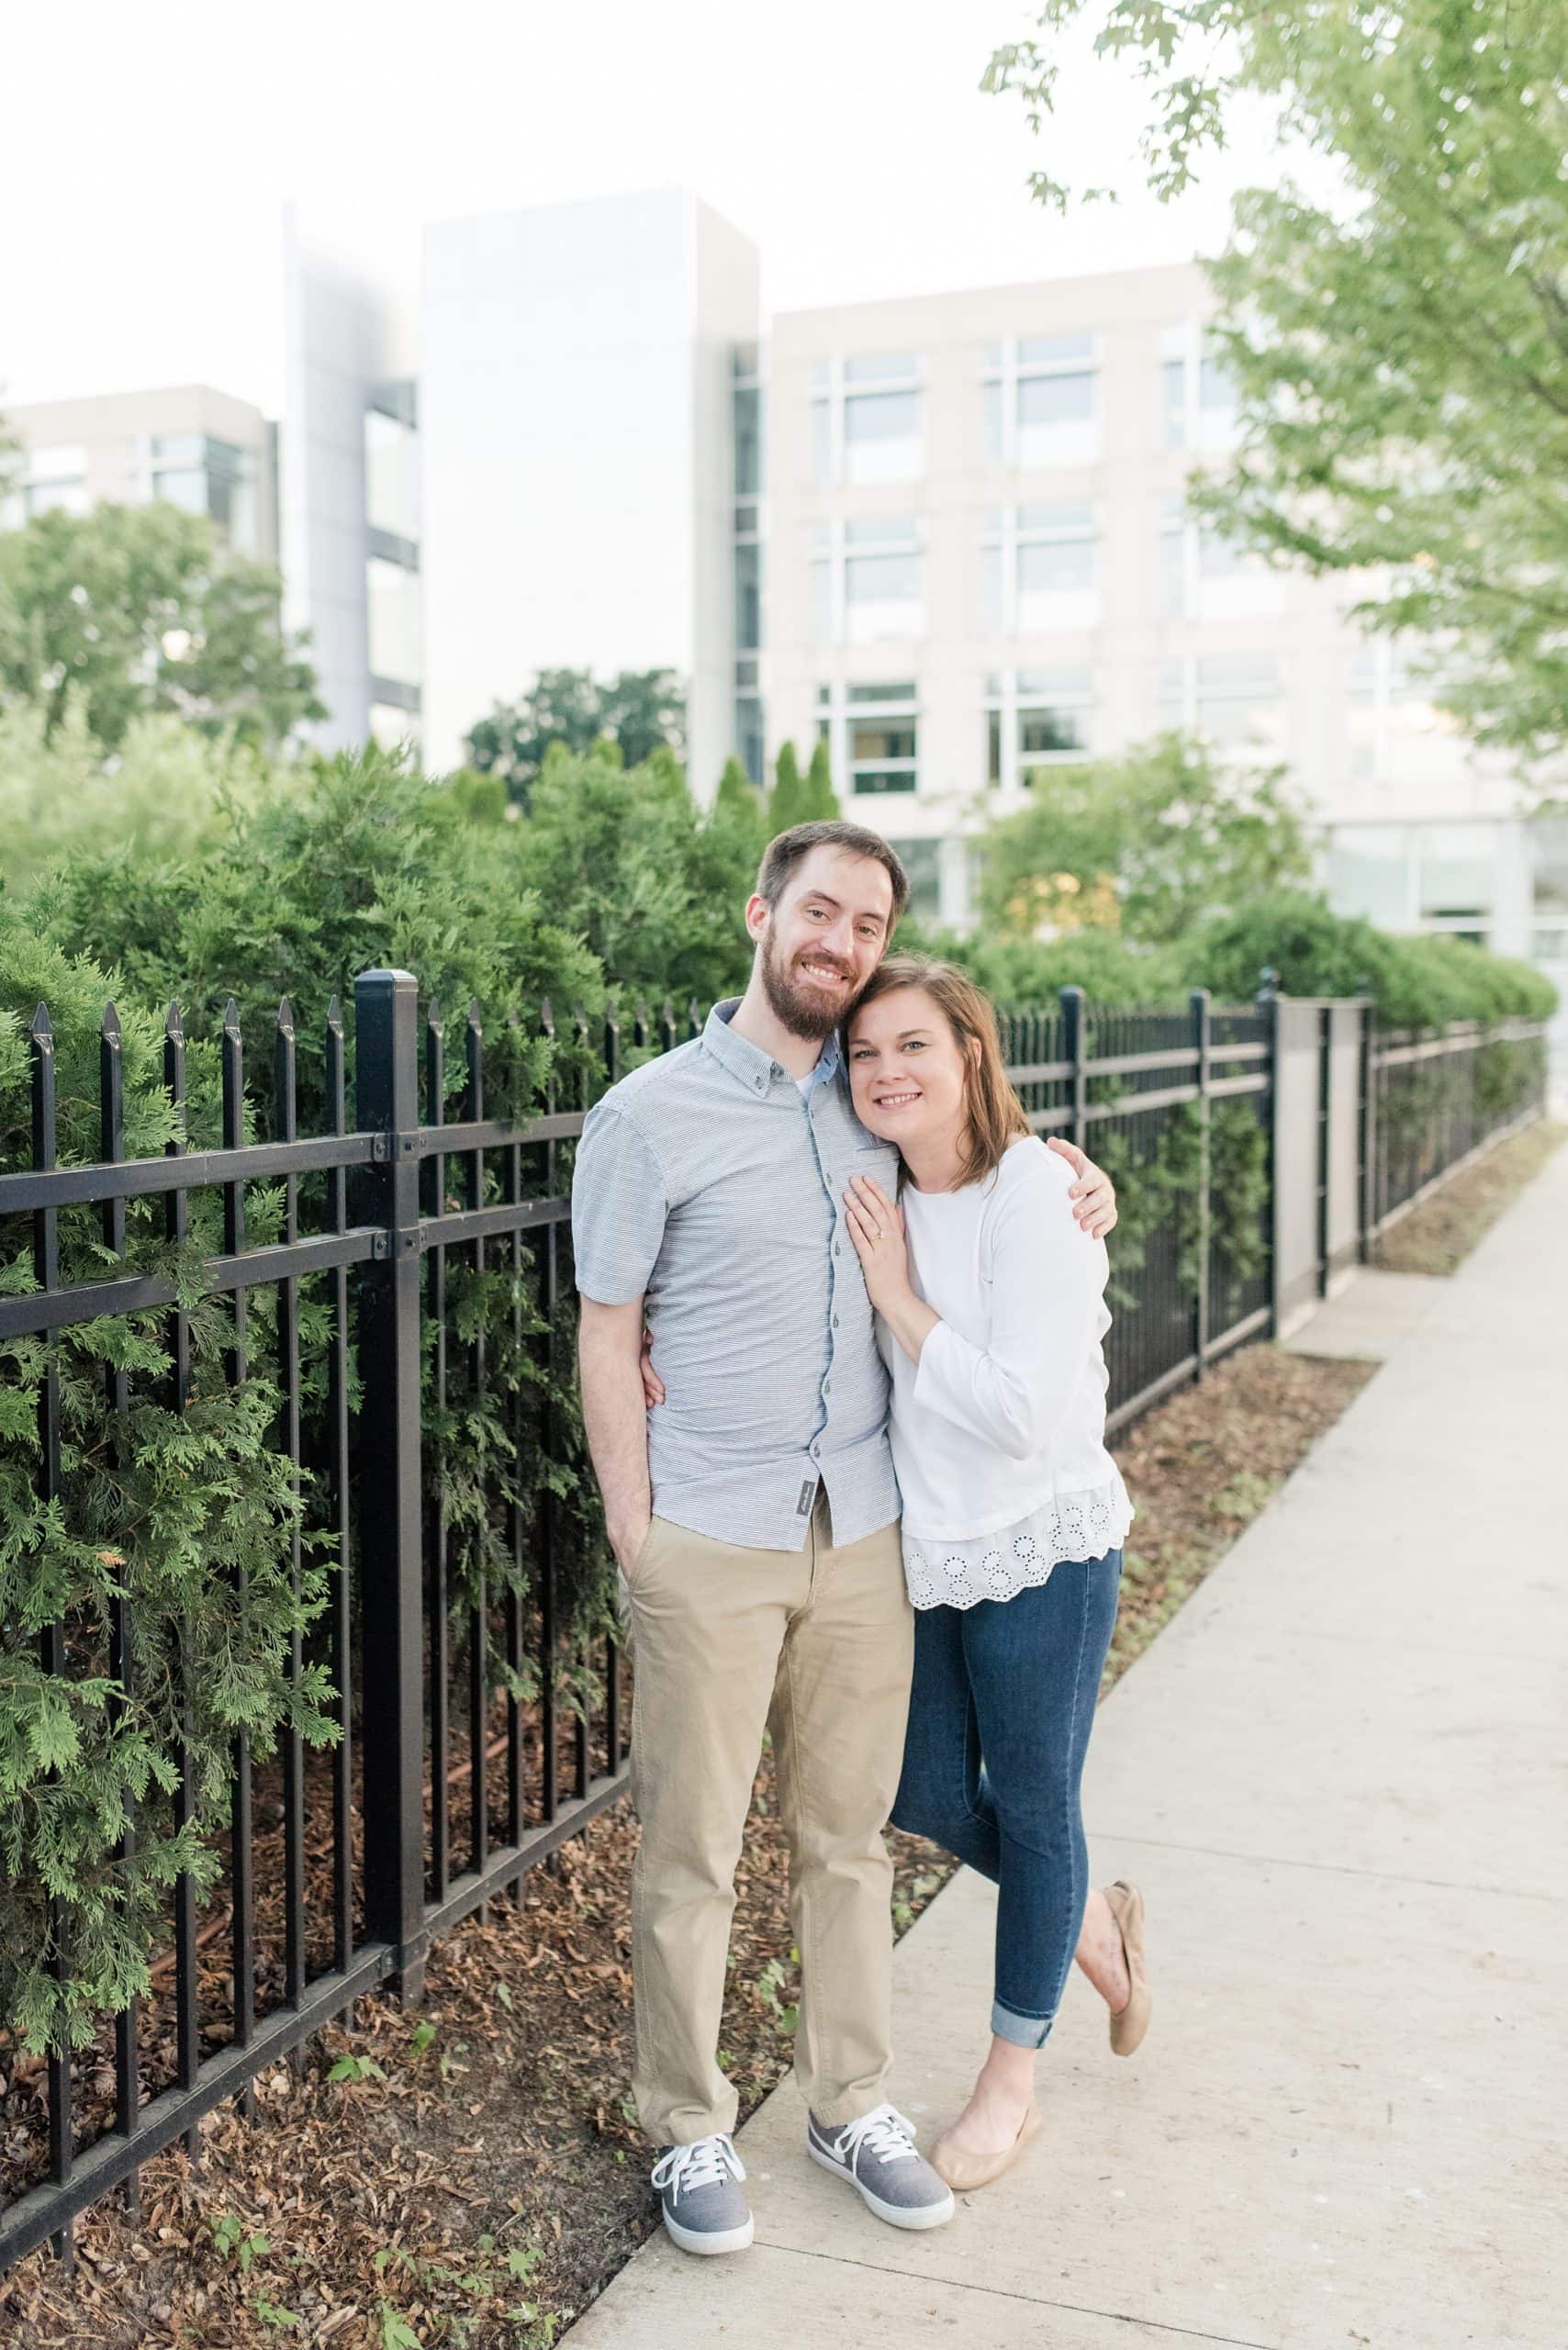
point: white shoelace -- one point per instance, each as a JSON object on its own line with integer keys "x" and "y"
{"x": 884, "y": 2132}
{"x": 703, "y": 2163}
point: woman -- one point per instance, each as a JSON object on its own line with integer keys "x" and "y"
{"x": 990, "y": 1311}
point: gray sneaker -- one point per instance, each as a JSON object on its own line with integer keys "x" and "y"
{"x": 878, "y": 2155}
{"x": 699, "y": 2187}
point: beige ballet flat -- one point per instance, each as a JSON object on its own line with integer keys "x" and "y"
{"x": 1128, "y": 2026}
{"x": 965, "y": 2171}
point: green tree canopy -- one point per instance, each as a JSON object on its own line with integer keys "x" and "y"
{"x": 1150, "y": 844}
{"x": 822, "y": 800}
{"x": 623, "y": 858}
{"x": 642, "y": 710}
{"x": 1402, "y": 359}
{"x": 789, "y": 801}
{"x": 138, "y": 608}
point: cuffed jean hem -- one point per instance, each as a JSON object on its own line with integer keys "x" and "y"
{"x": 1025, "y": 2031}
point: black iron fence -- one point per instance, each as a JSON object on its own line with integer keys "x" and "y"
{"x": 1443, "y": 1097}
{"x": 450, "y": 1777}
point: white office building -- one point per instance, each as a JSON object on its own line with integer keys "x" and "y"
{"x": 947, "y": 535}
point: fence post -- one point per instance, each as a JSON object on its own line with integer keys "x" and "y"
{"x": 1269, "y": 1005}
{"x": 387, "y": 1194}
{"x": 1201, "y": 1038}
{"x": 1324, "y": 1148}
{"x": 1074, "y": 1043}
{"x": 1368, "y": 1121}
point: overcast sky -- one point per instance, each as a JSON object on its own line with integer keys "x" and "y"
{"x": 147, "y": 154}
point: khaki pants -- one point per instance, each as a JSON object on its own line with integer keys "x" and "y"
{"x": 816, "y": 1645}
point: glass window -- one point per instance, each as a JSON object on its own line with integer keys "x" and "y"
{"x": 1547, "y": 838}
{"x": 1219, "y": 557}
{"x": 1055, "y": 572}
{"x": 748, "y": 596}
{"x": 1047, "y": 734}
{"x": 1549, "y": 946}
{"x": 1216, "y": 385}
{"x": 880, "y": 530}
{"x": 394, "y": 626}
{"x": 881, "y": 416}
{"x": 883, "y": 747}
{"x": 185, "y": 489}
{"x": 748, "y": 442}
{"x": 1053, "y": 347}
{"x": 883, "y": 436}
{"x": 881, "y": 579}
{"x": 211, "y": 478}
{"x": 1369, "y": 873}
{"x": 922, "y": 860}
{"x": 1056, "y": 419}
{"x": 993, "y": 746}
{"x": 1459, "y": 871}
{"x": 391, "y": 475}
{"x": 1238, "y": 699}
{"x": 389, "y": 726}
{"x": 900, "y": 367}
{"x": 881, "y": 739}
{"x": 55, "y": 481}
{"x": 55, "y": 498}
{"x": 822, "y": 440}
{"x": 748, "y": 734}
{"x": 1173, "y": 398}
{"x": 1051, "y": 567}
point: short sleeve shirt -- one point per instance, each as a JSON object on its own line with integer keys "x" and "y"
{"x": 710, "y": 1183}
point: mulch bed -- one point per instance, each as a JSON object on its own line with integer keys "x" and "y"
{"x": 1437, "y": 1236}
{"x": 474, "y": 2176}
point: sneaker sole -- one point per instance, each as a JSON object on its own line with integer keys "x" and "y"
{"x": 896, "y": 2215}
{"x": 709, "y": 2240}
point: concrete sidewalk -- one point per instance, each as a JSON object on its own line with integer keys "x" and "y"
{"x": 1339, "y": 1778}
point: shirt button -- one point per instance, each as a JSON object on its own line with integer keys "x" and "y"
{"x": 835, "y": 1248}
{"x": 835, "y": 1321}
{"x": 827, "y": 1387}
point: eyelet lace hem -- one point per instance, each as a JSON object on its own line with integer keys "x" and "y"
{"x": 998, "y": 1566}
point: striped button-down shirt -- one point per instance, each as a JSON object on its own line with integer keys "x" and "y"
{"x": 708, "y": 1182}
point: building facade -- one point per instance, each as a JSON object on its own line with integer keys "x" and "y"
{"x": 947, "y": 535}
{"x": 576, "y": 422}
{"x": 196, "y": 448}
{"x": 971, "y": 559}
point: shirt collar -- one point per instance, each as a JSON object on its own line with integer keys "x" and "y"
{"x": 756, "y": 1069}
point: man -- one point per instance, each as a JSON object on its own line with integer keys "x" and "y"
{"x": 755, "y": 1524}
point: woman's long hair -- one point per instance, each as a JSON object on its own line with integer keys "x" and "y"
{"x": 993, "y": 1115}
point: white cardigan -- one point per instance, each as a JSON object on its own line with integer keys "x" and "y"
{"x": 998, "y": 1432}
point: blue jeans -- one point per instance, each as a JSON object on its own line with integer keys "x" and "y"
{"x": 999, "y": 1721}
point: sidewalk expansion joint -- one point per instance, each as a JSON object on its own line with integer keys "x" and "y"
{"x": 1330, "y": 1868}
{"x": 1029, "y": 2300}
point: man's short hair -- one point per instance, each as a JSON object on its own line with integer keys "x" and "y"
{"x": 787, "y": 850}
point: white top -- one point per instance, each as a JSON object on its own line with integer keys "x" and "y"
{"x": 998, "y": 1432}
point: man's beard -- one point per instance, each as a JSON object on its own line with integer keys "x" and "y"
{"x": 805, "y": 1012}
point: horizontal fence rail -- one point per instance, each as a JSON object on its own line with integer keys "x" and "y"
{"x": 499, "y": 1722}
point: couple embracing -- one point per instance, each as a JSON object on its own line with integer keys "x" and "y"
{"x": 859, "y": 1494}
